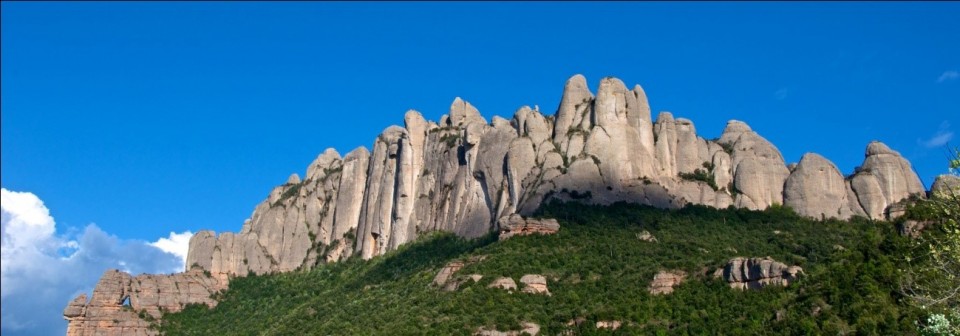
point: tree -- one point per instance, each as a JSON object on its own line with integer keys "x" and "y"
{"x": 932, "y": 280}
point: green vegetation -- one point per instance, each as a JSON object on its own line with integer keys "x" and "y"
{"x": 292, "y": 190}
{"x": 700, "y": 175}
{"x": 597, "y": 270}
{"x": 450, "y": 139}
{"x": 932, "y": 279}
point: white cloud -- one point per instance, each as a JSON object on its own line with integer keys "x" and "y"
{"x": 948, "y": 75}
{"x": 940, "y": 138}
{"x": 42, "y": 270}
{"x": 177, "y": 244}
{"x": 781, "y": 94}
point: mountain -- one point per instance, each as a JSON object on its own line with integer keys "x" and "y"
{"x": 469, "y": 177}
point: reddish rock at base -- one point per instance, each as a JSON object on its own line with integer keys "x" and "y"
{"x": 126, "y": 305}
{"x": 515, "y": 224}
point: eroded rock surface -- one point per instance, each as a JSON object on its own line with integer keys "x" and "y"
{"x": 753, "y": 273}
{"x": 529, "y": 328}
{"x": 505, "y": 283}
{"x": 514, "y": 225}
{"x": 535, "y": 284}
{"x": 946, "y": 186}
{"x": 468, "y": 176}
{"x": 664, "y": 281}
{"x": 126, "y": 305}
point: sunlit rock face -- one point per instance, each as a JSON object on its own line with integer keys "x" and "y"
{"x": 470, "y": 176}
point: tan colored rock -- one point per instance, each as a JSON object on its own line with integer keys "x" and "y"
{"x": 504, "y": 283}
{"x": 946, "y": 186}
{"x": 447, "y": 272}
{"x": 753, "y": 273}
{"x": 513, "y": 225}
{"x": 758, "y": 168}
{"x": 76, "y": 307}
{"x": 884, "y": 179}
{"x": 535, "y": 284}
{"x": 349, "y": 202}
{"x": 664, "y": 281}
{"x": 119, "y": 300}
{"x": 612, "y": 325}
{"x": 373, "y": 233}
{"x": 815, "y": 188}
{"x": 462, "y": 113}
{"x": 647, "y": 236}
{"x": 574, "y": 111}
{"x": 529, "y": 328}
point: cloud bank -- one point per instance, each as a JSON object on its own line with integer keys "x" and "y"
{"x": 42, "y": 270}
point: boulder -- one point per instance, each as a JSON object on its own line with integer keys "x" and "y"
{"x": 646, "y": 236}
{"x": 664, "y": 281}
{"x": 528, "y": 328}
{"x": 514, "y": 224}
{"x": 753, "y": 273}
{"x": 535, "y": 284}
{"x": 946, "y": 186}
{"x": 504, "y": 283}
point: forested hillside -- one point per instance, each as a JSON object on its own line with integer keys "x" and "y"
{"x": 597, "y": 270}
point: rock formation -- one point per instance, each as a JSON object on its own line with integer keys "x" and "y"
{"x": 664, "y": 281}
{"x": 445, "y": 278}
{"x": 471, "y": 177}
{"x": 753, "y": 273}
{"x": 514, "y": 225}
{"x": 528, "y": 328}
{"x": 125, "y": 305}
{"x": 647, "y": 236}
{"x": 505, "y": 283}
{"x": 612, "y": 325}
{"x": 535, "y": 284}
{"x": 946, "y": 186}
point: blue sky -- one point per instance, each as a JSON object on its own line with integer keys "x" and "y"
{"x": 147, "y": 118}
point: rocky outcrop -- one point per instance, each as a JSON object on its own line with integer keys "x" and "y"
{"x": 528, "y": 328}
{"x": 514, "y": 225}
{"x": 535, "y": 284}
{"x": 664, "y": 281}
{"x": 126, "y": 305}
{"x": 815, "y": 188}
{"x": 611, "y": 325}
{"x": 883, "y": 179}
{"x": 647, "y": 237}
{"x": 946, "y": 186}
{"x": 445, "y": 278}
{"x": 505, "y": 283}
{"x": 468, "y": 176}
{"x": 753, "y": 273}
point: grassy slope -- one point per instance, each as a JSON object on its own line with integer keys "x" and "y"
{"x": 597, "y": 269}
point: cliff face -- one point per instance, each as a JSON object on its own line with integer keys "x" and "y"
{"x": 464, "y": 173}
